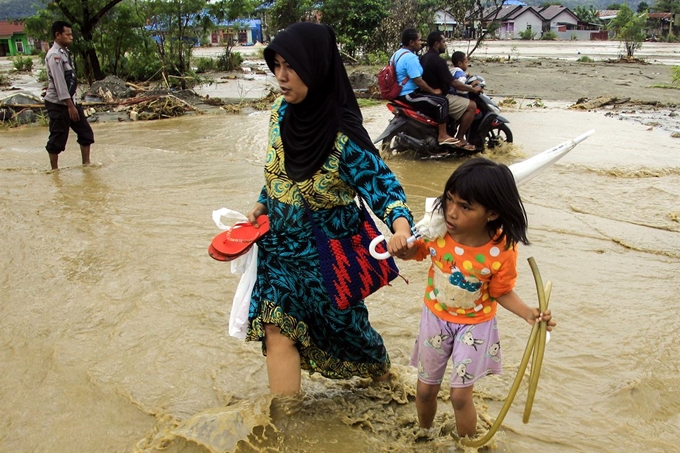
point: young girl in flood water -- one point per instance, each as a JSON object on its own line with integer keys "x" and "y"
{"x": 474, "y": 268}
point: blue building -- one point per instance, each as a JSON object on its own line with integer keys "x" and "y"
{"x": 244, "y": 32}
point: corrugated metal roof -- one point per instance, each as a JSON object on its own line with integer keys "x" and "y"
{"x": 607, "y": 13}
{"x": 660, "y": 15}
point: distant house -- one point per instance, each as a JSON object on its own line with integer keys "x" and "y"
{"x": 659, "y": 24}
{"x": 13, "y": 40}
{"x": 516, "y": 19}
{"x": 445, "y": 22}
{"x": 558, "y": 18}
{"x": 567, "y": 26}
{"x": 244, "y": 32}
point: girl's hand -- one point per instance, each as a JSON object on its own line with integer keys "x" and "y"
{"x": 254, "y": 213}
{"x": 546, "y": 317}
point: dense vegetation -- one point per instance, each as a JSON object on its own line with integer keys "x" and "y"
{"x": 145, "y": 39}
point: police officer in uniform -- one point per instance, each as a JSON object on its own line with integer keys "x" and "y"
{"x": 60, "y": 103}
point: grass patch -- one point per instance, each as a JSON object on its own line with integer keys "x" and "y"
{"x": 508, "y": 102}
{"x": 666, "y": 87}
{"x": 585, "y": 59}
{"x": 363, "y": 102}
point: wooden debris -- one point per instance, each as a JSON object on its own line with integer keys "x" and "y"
{"x": 585, "y": 104}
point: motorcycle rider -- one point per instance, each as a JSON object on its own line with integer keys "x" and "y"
{"x": 436, "y": 74}
{"x": 416, "y": 92}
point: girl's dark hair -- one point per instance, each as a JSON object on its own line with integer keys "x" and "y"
{"x": 408, "y": 35}
{"x": 491, "y": 185}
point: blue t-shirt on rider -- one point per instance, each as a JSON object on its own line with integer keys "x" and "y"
{"x": 460, "y": 76}
{"x": 407, "y": 65}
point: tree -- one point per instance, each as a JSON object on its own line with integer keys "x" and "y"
{"x": 642, "y": 7}
{"x": 118, "y": 35}
{"x": 587, "y": 15}
{"x": 354, "y": 20}
{"x": 629, "y": 28}
{"x": 84, "y": 15}
{"x": 178, "y": 25}
{"x": 476, "y": 11}
{"x": 286, "y": 12}
{"x": 666, "y": 6}
{"x": 614, "y": 6}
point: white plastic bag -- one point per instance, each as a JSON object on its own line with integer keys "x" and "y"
{"x": 245, "y": 265}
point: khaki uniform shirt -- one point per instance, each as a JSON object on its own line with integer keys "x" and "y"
{"x": 61, "y": 75}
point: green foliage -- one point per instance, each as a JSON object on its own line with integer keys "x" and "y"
{"x": 229, "y": 60}
{"x": 42, "y": 76}
{"x": 508, "y": 102}
{"x": 527, "y": 35}
{"x": 615, "y": 6}
{"x": 377, "y": 58}
{"x": 668, "y": 6}
{"x": 642, "y": 7}
{"x": 587, "y": 14}
{"x": 204, "y": 64}
{"x": 537, "y": 103}
{"x": 675, "y": 74}
{"x": 629, "y": 28}
{"x": 286, "y": 12}
{"x": 22, "y": 64}
{"x": 140, "y": 65}
{"x": 118, "y": 34}
{"x": 363, "y": 103}
{"x": 549, "y": 36}
{"x": 354, "y": 21}
{"x": 585, "y": 59}
{"x": 4, "y": 80}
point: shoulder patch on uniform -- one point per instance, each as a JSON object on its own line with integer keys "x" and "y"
{"x": 57, "y": 58}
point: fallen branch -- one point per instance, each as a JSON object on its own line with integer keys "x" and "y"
{"x": 583, "y": 104}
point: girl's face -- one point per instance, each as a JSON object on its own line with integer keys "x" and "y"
{"x": 292, "y": 87}
{"x": 467, "y": 222}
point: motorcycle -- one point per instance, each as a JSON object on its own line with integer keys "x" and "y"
{"x": 410, "y": 130}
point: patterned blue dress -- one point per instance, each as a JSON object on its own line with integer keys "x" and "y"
{"x": 289, "y": 291}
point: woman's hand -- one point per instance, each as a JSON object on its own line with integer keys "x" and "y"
{"x": 398, "y": 245}
{"x": 254, "y": 213}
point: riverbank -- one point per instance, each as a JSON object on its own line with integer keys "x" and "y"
{"x": 518, "y": 73}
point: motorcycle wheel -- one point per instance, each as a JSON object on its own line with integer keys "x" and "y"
{"x": 497, "y": 135}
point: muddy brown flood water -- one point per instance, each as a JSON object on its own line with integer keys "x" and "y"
{"x": 114, "y": 318}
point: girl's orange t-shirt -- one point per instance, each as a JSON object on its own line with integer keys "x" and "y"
{"x": 464, "y": 281}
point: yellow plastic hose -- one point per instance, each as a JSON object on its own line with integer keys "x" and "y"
{"x": 536, "y": 348}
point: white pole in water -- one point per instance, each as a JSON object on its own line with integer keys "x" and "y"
{"x": 522, "y": 171}
{"x": 527, "y": 169}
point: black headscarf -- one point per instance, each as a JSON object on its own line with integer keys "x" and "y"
{"x": 309, "y": 128}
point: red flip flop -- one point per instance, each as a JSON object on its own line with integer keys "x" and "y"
{"x": 237, "y": 240}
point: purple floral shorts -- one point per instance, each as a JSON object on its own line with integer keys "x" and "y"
{"x": 474, "y": 349}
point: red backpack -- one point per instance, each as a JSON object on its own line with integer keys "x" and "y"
{"x": 390, "y": 88}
